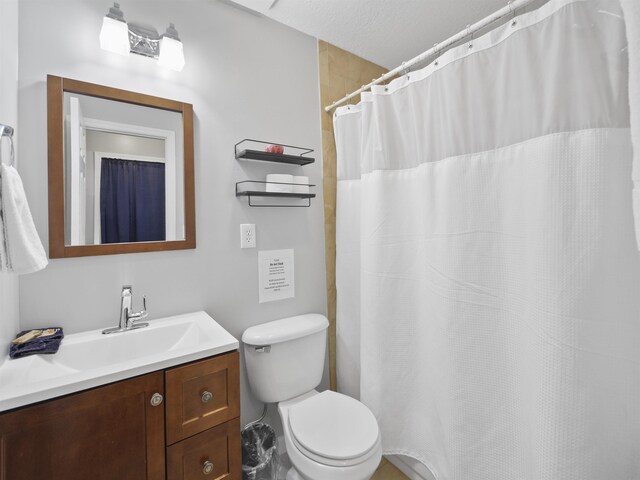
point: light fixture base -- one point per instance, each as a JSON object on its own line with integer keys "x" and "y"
{"x": 122, "y": 37}
{"x": 144, "y": 40}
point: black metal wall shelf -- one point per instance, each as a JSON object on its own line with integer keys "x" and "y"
{"x": 256, "y": 192}
{"x": 252, "y": 154}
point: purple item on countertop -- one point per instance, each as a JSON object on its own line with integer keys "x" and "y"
{"x": 48, "y": 344}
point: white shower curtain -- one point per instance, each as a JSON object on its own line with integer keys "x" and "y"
{"x": 487, "y": 273}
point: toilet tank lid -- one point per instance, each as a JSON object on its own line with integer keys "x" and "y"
{"x": 285, "y": 329}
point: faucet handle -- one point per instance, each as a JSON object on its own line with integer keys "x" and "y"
{"x": 134, "y": 317}
{"x": 143, "y": 313}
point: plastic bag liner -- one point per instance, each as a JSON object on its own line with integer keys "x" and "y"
{"x": 259, "y": 452}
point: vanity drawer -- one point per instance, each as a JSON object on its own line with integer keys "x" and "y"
{"x": 214, "y": 454}
{"x": 202, "y": 395}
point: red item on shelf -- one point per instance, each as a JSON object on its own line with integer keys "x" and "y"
{"x": 279, "y": 149}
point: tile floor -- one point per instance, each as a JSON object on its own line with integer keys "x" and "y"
{"x": 386, "y": 471}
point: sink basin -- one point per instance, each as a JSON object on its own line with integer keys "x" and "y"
{"x": 89, "y": 359}
{"x": 93, "y": 350}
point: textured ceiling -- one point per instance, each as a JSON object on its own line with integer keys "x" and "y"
{"x": 386, "y": 32}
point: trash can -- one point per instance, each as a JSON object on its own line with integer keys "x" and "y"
{"x": 259, "y": 452}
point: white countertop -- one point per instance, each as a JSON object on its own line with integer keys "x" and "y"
{"x": 90, "y": 359}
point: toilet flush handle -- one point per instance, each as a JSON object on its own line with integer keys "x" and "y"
{"x": 263, "y": 349}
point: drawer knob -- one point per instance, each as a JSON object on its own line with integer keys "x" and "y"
{"x": 156, "y": 399}
{"x": 207, "y": 467}
{"x": 206, "y": 397}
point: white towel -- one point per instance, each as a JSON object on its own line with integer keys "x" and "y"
{"x": 20, "y": 249}
{"x": 631, "y": 10}
{"x": 4, "y": 261}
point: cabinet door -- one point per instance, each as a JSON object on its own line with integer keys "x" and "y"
{"x": 108, "y": 433}
{"x": 202, "y": 395}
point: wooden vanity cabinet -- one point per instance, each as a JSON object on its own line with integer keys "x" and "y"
{"x": 117, "y": 432}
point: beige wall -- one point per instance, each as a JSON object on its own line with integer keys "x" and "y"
{"x": 341, "y": 73}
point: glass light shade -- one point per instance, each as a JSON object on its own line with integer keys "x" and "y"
{"x": 114, "y": 36}
{"x": 171, "y": 54}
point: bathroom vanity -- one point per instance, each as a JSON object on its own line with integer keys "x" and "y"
{"x": 177, "y": 422}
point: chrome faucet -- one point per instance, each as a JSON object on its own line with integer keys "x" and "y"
{"x": 129, "y": 320}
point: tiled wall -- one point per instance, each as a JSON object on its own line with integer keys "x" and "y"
{"x": 341, "y": 73}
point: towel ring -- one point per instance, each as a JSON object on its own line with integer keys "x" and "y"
{"x": 6, "y": 131}
{"x": 11, "y": 155}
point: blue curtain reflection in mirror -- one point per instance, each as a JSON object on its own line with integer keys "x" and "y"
{"x": 132, "y": 201}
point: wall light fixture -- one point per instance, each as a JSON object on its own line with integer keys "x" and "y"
{"x": 120, "y": 37}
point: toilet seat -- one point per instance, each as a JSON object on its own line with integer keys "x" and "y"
{"x": 333, "y": 429}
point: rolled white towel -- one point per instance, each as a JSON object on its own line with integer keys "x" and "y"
{"x": 22, "y": 249}
{"x": 282, "y": 183}
{"x": 301, "y": 184}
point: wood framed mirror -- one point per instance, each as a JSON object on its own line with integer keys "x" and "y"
{"x": 121, "y": 177}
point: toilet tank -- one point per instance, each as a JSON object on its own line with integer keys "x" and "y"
{"x": 285, "y": 358}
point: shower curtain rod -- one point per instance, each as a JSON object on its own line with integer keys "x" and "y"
{"x": 470, "y": 30}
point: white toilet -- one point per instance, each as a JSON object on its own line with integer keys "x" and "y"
{"x": 329, "y": 436}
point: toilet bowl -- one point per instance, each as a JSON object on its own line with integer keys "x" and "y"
{"x": 328, "y": 435}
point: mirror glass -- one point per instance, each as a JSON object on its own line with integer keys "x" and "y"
{"x": 123, "y": 172}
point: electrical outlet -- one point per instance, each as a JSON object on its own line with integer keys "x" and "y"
{"x": 247, "y": 235}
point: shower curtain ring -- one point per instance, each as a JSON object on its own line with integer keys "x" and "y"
{"x": 470, "y": 34}
{"x": 436, "y": 52}
{"x": 513, "y": 12}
